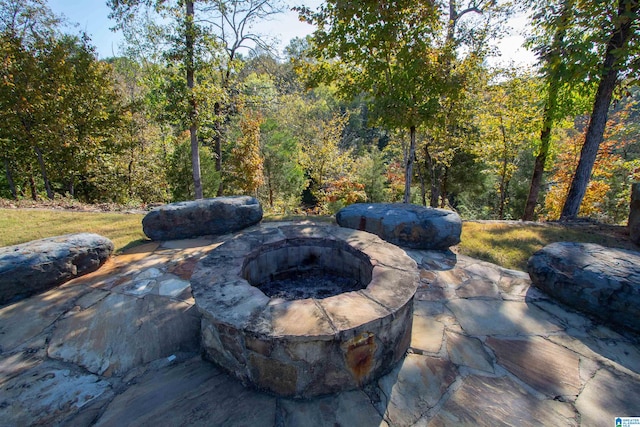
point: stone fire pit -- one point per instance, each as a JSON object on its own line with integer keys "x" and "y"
{"x": 305, "y": 310}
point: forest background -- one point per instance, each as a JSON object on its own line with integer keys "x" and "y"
{"x": 383, "y": 102}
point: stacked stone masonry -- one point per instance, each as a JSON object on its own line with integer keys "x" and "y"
{"x": 311, "y": 346}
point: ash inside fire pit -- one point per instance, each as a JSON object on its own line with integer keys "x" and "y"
{"x": 311, "y": 284}
{"x": 307, "y": 268}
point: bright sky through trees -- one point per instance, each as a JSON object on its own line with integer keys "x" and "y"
{"x": 91, "y": 16}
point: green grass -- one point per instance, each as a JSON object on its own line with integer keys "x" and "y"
{"x": 507, "y": 244}
{"x": 23, "y": 225}
{"x": 511, "y": 244}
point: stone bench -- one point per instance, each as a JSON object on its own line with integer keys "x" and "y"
{"x": 204, "y": 217}
{"x": 406, "y": 225}
{"x": 39, "y": 265}
{"x": 603, "y": 282}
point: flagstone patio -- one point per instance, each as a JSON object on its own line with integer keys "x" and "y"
{"x": 121, "y": 346}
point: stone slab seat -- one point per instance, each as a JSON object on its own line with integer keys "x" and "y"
{"x": 39, "y": 265}
{"x": 204, "y": 217}
{"x": 403, "y": 224}
{"x": 603, "y": 282}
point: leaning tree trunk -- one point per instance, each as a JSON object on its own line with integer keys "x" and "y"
{"x": 595, "y": 132}
{"x": 541, "y": 158}
{"x": 550, "y": 107}
{"x": 408, "y": 172}
{"x": 193, "y": 107}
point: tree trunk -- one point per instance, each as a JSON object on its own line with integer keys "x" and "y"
{"x": 193, "y": 106}
{"x": 423, "y": 185}
{"x": 217, "y": 139}
{"x": 541, "y": 158}
{"x": 503, "y": 172}
{"x": 72, "y": 186}
{"x": 43, "y": 172}
{"x": 550, "y": 107}
{"x": 434, "y": 195}
{"x": 595, "y": 132}
{"x": 32, "y": 185}
{"x": 444, "y": 194}
{"x": 408, "y": 175}
{"x": 12, "y": 185}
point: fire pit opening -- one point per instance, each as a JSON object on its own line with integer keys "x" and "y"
{"x": 307, "y": 268}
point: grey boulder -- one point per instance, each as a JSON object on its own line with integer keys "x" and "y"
{"x": 403, "y": 224}
{"x": 204, "y": 217}
{"x": 39, "y": 265}
{"x": 603, "y": 282}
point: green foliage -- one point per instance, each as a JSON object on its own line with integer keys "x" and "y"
{"x": 508, "y": 129}
{"x": 385, "y": 51}
{"x": 116, "y": 130}
{"x": 284, "y": 178}
{"x": 179, "y": 173}
{"x": 371, "y": 173}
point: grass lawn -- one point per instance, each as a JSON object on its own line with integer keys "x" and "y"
{"x": 23, "y": 225}
{"x": 509, "y": 244}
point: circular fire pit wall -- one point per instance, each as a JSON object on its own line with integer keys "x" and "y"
{"x": 307, "y": 268}
{"x": 305, "y": 310}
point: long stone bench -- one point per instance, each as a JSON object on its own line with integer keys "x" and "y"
{"x": 603, "y": 282}
{"x": 217, "y": 216}
{"x": 403, "y": 224}
{"x": 39, "y": 265}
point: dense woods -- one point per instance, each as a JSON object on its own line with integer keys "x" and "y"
{"x": 383, "y": 102}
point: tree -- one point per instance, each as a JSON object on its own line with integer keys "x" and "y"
{"x": 233, "y": 27}
{"x": 405, "y": 56}
{"x": 203, "y": 30}
{"x": 246, "y": 164}
{"x": 386, "y": 51}
{"x": 283, "y": 175}
{"x": 621, "y": 47}
{"x": 567, "y": 39}
{"x": 28, "y": 20}
{"x": 124, "y": 11}
{"x": 371, "y": 173}
{"x": 507, "y": 125}
{"x": 326, "y": 164}
{"x": 554, "y": 69}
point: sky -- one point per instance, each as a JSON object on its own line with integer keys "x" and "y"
{"x": 91, "y": 16}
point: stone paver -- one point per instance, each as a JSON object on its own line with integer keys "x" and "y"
{"x": 120, "y": 347}
{"x": 491, "y": 402}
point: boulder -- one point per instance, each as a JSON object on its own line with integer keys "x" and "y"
{"x": 603, "y": 282}
{"x": 404, "y": 224}
{"x": 204, "y": 217}
{"x": 634, "y": 214}
{"x": 39, "y": 265}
